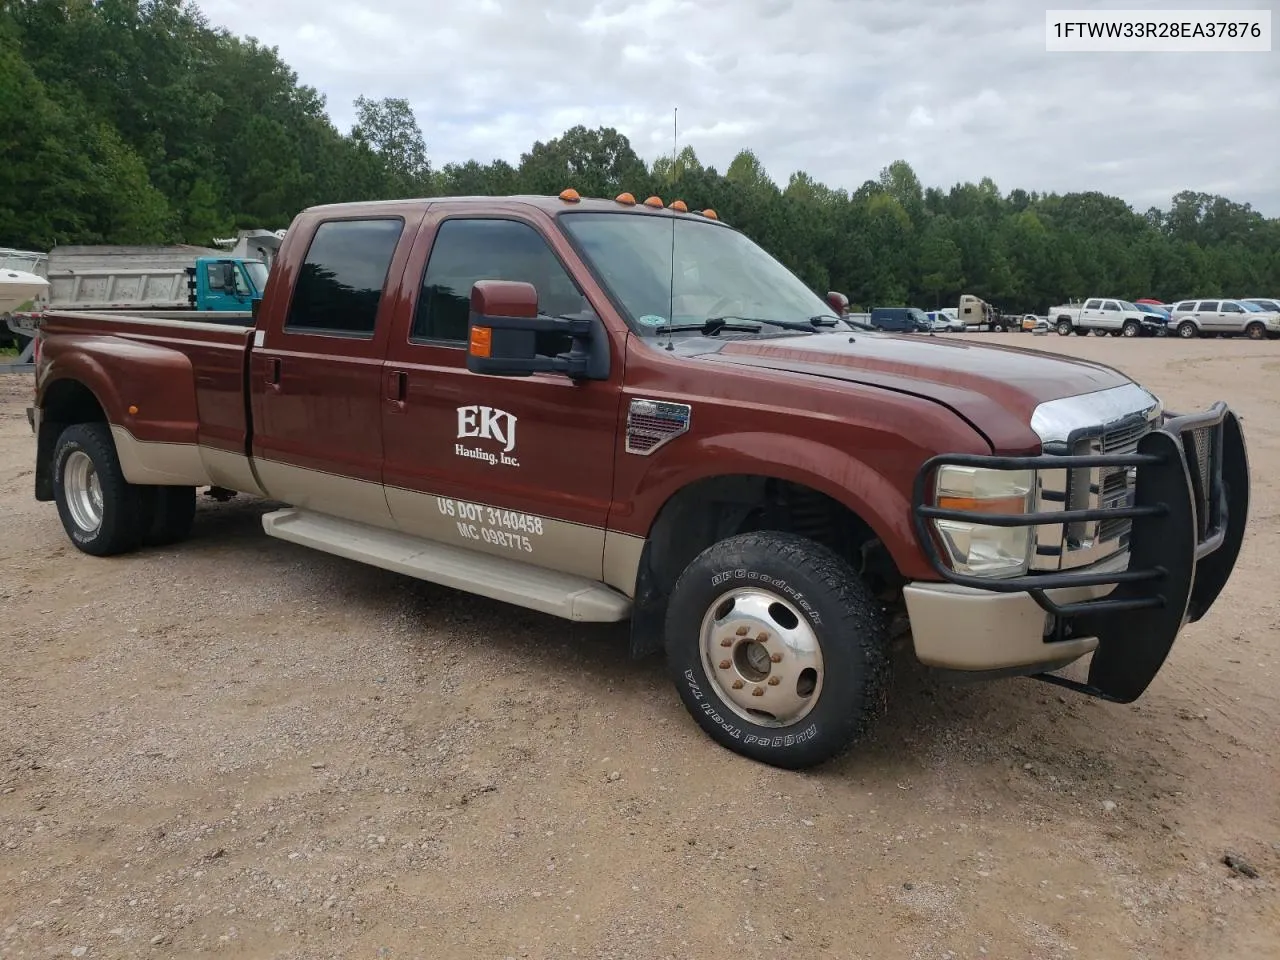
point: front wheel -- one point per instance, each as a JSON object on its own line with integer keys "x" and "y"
{"x": 1255, "y": 331}
{"x": 777, "y": 648}
{"x": 1064, "y": 328}
{"x": 1131, "y": 329}
{"x": 1187, "y": 330}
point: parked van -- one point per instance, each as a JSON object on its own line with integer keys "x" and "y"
{"x": 900, "y": 319}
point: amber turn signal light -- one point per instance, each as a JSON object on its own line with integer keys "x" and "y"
{"x": 710, "y": 214}
{"x": 653, "y": 202}
{"x": 680, "y": 205}
{"x": 570, "y": 195}
{"x": 626, "y": 198}
{"x": 481, "y": 341}
{"x": 980, "y": 505}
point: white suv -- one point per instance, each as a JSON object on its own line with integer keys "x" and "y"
{"x": 1192, "y": 318}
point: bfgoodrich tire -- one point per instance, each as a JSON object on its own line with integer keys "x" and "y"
{"x": 99, "y": 509}
{"x": 777, "y": 648}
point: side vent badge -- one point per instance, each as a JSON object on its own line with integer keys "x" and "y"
{"x": 651, "y": 423}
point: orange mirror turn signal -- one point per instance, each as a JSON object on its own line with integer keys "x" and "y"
{"x": 481, "y": 344}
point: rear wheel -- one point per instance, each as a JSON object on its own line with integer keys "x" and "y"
{"x": 1187, "y": 330}
{"x": 777, "y": 648}
{"x": 1255, "y": 331}
{"x": 100, "y": 510}
{"x": 168, "y": 513}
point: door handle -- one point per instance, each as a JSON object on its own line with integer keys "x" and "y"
{"x": 397, "y": 385}
{"x": 273, "y": 375}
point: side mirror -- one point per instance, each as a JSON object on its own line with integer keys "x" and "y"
{"x": 503, "y": 328}
{"x": 838, "y": 302}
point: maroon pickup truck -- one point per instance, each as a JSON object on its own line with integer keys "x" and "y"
{"x": 604, "y": 409}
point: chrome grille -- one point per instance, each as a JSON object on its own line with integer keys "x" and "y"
{"x": 1108, "y": 422}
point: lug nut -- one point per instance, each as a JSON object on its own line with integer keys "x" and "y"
{"x": 774, "y": 681}
{"x": 775, "y": 657}
{"x": 758, "y": 692}
{"x": 763, "y": 637}
{"x": 738, "y": 684}
{"x": 726, "y": 642}
{"x": 724, "y": 664}
{"x": 742, "y": 631}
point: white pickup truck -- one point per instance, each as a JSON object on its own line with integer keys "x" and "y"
{"x": 1103, "y": 315}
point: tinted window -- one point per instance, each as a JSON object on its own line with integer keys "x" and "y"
{"x": 469, "y": 250}
{"x": 1209, "y": 305}
{"x": 340, "y": 284}
{"x": 1093, "y": 305}
{"x": 1229, "y": 307}
{"x": 1186, "y": 306}
{"x": 1111, "y": 305}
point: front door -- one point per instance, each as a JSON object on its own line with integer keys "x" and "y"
{"x": 1231, "y": 317}
{"x": 316, "y": 379}
{"x": 520, "y": 467}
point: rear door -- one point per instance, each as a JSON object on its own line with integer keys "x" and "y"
{"x": 316, "y": 376}
{"x": 519, "y": 467}
{"x": 1206, "y": 315}
{"x": 1091, "y": 314}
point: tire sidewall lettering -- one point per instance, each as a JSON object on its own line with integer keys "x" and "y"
{"x": 752, "y": 576}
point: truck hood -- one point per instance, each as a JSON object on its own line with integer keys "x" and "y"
{"x": 994, "y": 388}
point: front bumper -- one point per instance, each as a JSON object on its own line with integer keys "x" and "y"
{"x": 1190, "y": 506}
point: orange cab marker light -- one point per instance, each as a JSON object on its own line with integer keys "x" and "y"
{"x": 710, "y": 214}
{"x": 481, "y": 341}
{"x": 680, "y": 205}
{"x": 653, "y": 202}
{"x": 570, "y": 195}
{"x": 626, "y": 198}
{"x": 132, "y": 409}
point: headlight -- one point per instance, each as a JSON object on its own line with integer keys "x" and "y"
{"x": 979, "y": 549}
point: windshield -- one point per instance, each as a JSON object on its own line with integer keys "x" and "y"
{"x": 717, "y": 272}
{"x": 257, "y": 273}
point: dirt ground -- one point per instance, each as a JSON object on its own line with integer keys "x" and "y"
{"x": 241, "y": 747}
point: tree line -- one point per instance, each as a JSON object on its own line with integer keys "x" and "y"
{"x": 136, "y": 121}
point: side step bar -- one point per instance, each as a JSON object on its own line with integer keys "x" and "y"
{"x": 499, "y": 578}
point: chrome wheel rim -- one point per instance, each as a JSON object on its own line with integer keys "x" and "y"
{"x": 83, "y": 491}
{"x": 761, "y": 657}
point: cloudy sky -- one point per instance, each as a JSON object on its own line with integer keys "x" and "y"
{"x": 837, "y": 88}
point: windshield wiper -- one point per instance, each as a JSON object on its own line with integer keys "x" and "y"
{"x": 713, "y": 325}
{"x": 810, "y": 324}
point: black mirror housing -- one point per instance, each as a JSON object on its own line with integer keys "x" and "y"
{"x": 503, "y": 328}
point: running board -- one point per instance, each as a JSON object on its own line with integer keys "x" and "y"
{"x": 499, "y": 578}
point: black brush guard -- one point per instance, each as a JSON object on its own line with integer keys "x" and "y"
{"x": 1190, "y": 505}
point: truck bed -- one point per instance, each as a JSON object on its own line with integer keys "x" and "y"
{"x": 164, "y": 380}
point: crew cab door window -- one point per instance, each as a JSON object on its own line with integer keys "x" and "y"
{"x": 516, "y": 467}
{"x": 340, "y": 285}
{"x": 1111, "y": 306}
{"x": 1229, "y": 307}
{"x": 1093, "y": 305}
{"x": 482, "y": 249}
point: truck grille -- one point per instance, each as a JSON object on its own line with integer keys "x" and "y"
{"x": 1116, "y": 482}
{"x": 1109, "y": 423}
